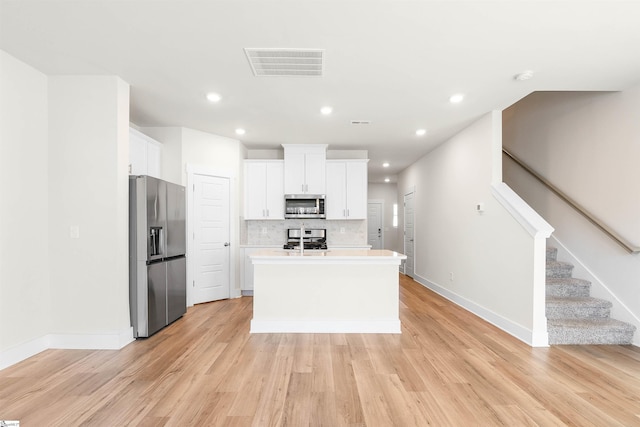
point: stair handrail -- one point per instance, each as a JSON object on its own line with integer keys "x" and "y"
{"x": 575, "y": 205}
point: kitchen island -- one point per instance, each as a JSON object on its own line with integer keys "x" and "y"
{"x": 335, "y": 291}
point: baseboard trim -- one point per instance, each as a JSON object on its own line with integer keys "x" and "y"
{"x": 107, "y": 341}
{"x": 326, "y": 326}
{"x": 23, "y": 351}
{"x": 532, "y": 338}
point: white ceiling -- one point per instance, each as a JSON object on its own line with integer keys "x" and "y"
{"x": 395, "y": 63}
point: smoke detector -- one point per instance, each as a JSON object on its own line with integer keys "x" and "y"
{"x": 286, "y": 62}
{"x": 525, "y": 75}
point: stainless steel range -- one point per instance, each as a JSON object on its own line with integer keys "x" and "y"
{"x": 313, "y": 239}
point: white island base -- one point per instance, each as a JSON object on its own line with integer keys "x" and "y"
{"x": 346, "y": 291}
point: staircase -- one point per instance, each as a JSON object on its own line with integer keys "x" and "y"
{"x": 573, "y": 317}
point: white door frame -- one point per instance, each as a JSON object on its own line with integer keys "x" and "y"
{"x": 410, "y": 190}
{"x": 381, "y": 203}
{"x": 233, "y": 232}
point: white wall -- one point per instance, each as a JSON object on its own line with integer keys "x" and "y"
{"x": 490, "y": 255}
{"x": 588, "y": 145}
{"x": 24, "y": 205}
{"x": 218, "y": 153}
{"x": 389, "y": 193}
{"x": 211, "y": 151}
{"x": 88, "y": 189}
{"x": 184, "y": 146}
{"x": 63, "y": 163}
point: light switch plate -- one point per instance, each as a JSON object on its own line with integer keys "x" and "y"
{"x": 74, "y": 232}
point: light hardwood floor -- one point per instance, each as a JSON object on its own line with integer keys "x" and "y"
{"x": 447, "y": 368}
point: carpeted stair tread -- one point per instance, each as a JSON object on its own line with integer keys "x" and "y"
{"x": 568, "y": 287}
{"x": 571, "y": 301}
{"x": 577, "y": 307}
{"x": 552, "y": 253}
{"x": 590, "y": 331}
{"x": 559, "y": 269}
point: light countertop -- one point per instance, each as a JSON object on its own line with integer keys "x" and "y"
{"x": 332, "y": 256}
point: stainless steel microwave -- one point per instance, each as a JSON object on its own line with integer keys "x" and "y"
{"x": 304, "y": 206}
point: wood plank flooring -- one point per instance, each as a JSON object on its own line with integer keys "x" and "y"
{"x": 447, "y": 368}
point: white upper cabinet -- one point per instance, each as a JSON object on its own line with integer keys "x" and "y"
{"x": 263, "y": 189}
{"x": 346, "y": 196}
{"x": 305, "y": 168}
{"x": 145, "y": 155}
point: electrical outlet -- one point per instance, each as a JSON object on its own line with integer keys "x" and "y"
{"x": 341, "y": 230}
{"x": 74, "y": 232}
{"x": 264, "y": 230}
{"x": 451, "y": 276}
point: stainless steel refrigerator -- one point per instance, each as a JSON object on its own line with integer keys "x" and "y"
{"x": 157, "y": 247}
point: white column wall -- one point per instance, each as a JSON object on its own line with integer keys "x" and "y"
{"x": 24, "y": 205}
{"x": 88, "y": 189}
{"x": 482, "y": 261}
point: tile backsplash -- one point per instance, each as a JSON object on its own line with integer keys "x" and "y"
{"x": 347, "y": 233}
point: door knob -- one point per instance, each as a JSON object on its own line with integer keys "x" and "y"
{"x": 227, "y": 244}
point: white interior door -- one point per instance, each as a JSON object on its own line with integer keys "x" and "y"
{"x": 408, "y": 234}
{"x": 375, "y": 234}
{"x": 211, "y": 238}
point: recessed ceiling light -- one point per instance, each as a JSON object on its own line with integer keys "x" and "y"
{"x": 213, "y": 97}
{"x": 525, "y": 75}
{"x": 240, "y": 131}
{"x": 421, "y": 132}
{"x": 385, "y": 165}
{"x": 387, "y": 180}
{"x": 458, "y": 97}
{"x": 326, "y": 110}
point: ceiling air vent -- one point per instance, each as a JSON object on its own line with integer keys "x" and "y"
{"x": 360, "y": 122}
{"x": 286, "y": 62}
